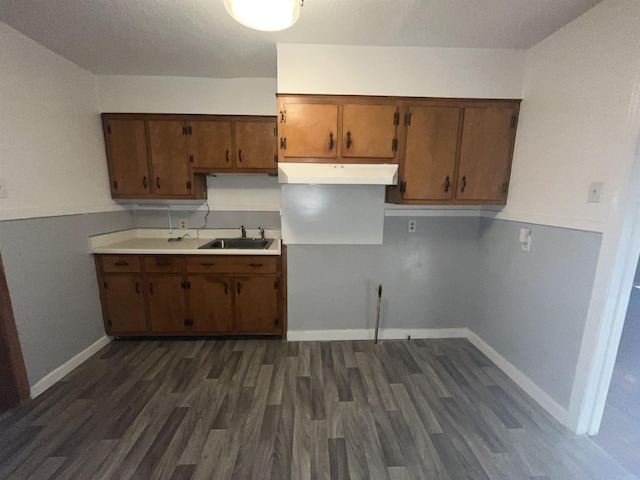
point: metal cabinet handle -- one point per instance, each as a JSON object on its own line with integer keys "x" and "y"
{"x": 163, "y": 264}
{"x": 348, "y": 140}
{"x": 226, "y": 288}
{"x": 331, "y": 142}
{"x": 238, "y": 287}
{"x": 239, "y": 155}
{"x": 227, "y": 156}
{"x": 447, "y": 184}
{"x": 144, "y": 182}
{"x": 138, "y": 288}
{"x": 158, "y": 182}
{"x": 255, "y": 265}
{"x": 464, "y": 184}
{"x": 121, "y": 263}
{"x": 208, "y": 264}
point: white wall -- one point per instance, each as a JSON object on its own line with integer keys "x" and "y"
{"x": 144, "y": 94}
{"x": 578, "y": 121}
{"x": 52, "y": 155}
{"x": 402, "y": 71}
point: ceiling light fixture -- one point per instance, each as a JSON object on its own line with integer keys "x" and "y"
{"x": 265, "y": 15}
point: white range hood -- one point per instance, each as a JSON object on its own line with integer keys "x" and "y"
{"x": 338, "y": 174}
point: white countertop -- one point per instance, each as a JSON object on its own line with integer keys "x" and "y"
{"x": 151, "y": 241}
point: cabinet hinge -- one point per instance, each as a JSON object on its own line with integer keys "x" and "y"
{"x": 275, "y": 131}
{"x": 183, "y": 285}
{"x": 184, "y": 129}
{"x": 403, "y": 187}
{"x": 105, "y": 285}
{"x": 109, "y": 324}
{"x": 504, "y": 187}
{"x": 109, "y": 129}
{"x": 277, "y": 322}
{"x": 188, "y": 322}
{"x": 394, "y": 145}
{"x": 514, "y": 121}
{"x": 189, "y": 130}
{"x": 276, "y": 285}
{"x": 283, "y": 116}
{"x": 407, "y": 119}
{"x": 275, "y": 158}
{"x": 283, "y": 143}
{"x": 115, "y": 184}
{"x": 396, "y": 118}
{"x": 188, "y": 284}
{"x": 188, "y": 184}
{"x": 190, "y": 158}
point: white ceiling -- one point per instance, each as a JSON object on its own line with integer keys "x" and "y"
{"x": 197, "y": 38}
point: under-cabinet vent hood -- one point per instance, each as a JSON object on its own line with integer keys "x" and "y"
{"x": 338, "y": 174}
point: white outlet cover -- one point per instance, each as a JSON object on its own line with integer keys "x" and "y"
{"x": 412, "y": 226}
{"x": 3, "y": 189}
{"x": 595, "y": 192}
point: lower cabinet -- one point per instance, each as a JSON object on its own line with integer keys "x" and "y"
{"x": 197, "y": 295}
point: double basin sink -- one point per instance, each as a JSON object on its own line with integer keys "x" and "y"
{"x": 238, "y": 243}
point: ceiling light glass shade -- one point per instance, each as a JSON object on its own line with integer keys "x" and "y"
{"x": 265, "y": 15}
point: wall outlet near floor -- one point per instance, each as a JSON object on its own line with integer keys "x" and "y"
{"x": 3, "y": 189}
{"x": 183, "y": 224}
{"x": 525, "y": 239}
{"x": 412, "y": 226}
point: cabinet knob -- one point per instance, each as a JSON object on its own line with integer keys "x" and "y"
{"x": 464, "y": 183}
{"x": 331, "y": 142}
{"x": 447, "y": 184}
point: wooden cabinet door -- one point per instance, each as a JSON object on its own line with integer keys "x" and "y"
{"x": 485, "y": 153}
{"x": 169, "y": 158}
{"x": 127, "y": 157}
{"x": 124, "y": 304}
{"x": 167, "y": 304}
{"x": 430, "y": 154}
{"x": 256, "y": 145}
{"x": 257, "y": 305}
{"x": 369, "y": 131}
{"x": 211, "y": 303}
{"x": 210, "y": 145}
{"x": 309, "y": 130}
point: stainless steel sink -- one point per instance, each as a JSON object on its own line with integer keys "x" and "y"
{"x": 239, "y": 243}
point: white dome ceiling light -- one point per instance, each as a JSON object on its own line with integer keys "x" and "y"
{"x": 264, "y": 15}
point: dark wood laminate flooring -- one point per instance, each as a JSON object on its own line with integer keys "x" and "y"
{"x": 268, "y": 409}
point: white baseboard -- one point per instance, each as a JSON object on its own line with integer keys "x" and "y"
{"x": 368, "y": 333}
{"x": 529, "y": 386}
{"x": 523, "y": 381}
{"x": 68, "y": 367}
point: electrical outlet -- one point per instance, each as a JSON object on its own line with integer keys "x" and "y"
{"x": 183, "y": 224}
{"x": 412, "y": 226}
{"x": 3, "y": 189}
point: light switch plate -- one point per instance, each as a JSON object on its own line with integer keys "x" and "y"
{"x": 595, "y": 192}
{"x": 3, "y": 189}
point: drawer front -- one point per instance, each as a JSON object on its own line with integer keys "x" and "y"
{"x": 232, "y": 264}
{"x": 163, "y": 264}
{"x": 120, "y": 263}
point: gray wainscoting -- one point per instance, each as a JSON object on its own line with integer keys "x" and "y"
{"x": 425, "y": 277}
{"x": 532, "y": 306}
{"x": 53, "y": 287}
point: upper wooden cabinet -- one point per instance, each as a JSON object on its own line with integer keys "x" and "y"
{"x": 166, "y": 156}
{"x": 456, "y": 151}
{"x": 240, "y": 144}
{"x": 338, "y": 129}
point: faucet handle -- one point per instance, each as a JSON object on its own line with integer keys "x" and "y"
{"x": 244, "y": 231}
{"x": 261, "y": 232}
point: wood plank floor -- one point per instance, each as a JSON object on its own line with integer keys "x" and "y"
{"x": 268, "y": 409}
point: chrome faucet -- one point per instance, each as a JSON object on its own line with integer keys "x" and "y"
{"x": 261, "y": 232}
{"x": 244, "y": 232}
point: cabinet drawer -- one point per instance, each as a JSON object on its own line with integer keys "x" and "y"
{"x": 120, "y": 263}
{"x": 163, "y": 264}
{"x": 232, "y": 264}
